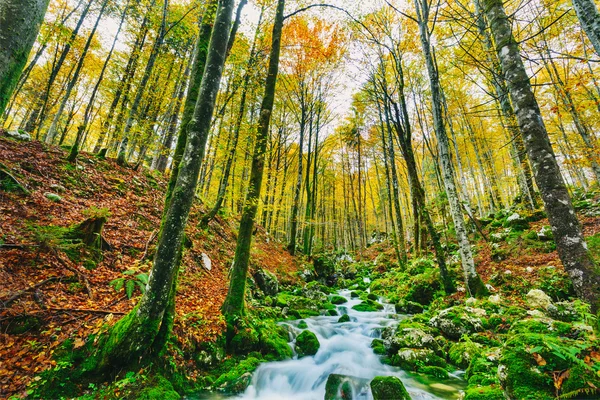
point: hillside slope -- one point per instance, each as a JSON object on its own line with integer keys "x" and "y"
{"x": 52, "y": 289}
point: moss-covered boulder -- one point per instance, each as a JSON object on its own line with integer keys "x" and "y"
{"x": 335, "y": 299}
{"x": 368, "y": 306}
{"x": 419, "y": 337}
{"x": 238, "y": 378}
{"x": 528, "y": 360}
{"x": 378, "y": 347}
{"x": 516, "y": 222}
{"x": 267, "y": 282}
{"x": 413, "y": 359}
{"x": 388, "y": 387}
{"x": 456, "y": 321}
{"x": 307, "y": 344}
{"x": 484, "y": 393}
{"x": 423, "y": 288}
{"x": 408, "y": 307}
{"x": 344, "y": 318}
{"x": 461, "y": 354}
{"x": 344, "y": 386}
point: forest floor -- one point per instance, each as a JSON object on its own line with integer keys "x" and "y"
{"x": 52, "y": 291}
{"x": 49, "y": 294}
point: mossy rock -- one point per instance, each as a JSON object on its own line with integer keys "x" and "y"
{"x": 159, "y": 389}
{"x": 307, "y": 344}
{"x": 408, "y": 307}
{"x": 355, "y": 294}
{"x": 581, "y": 383}
{"x": 368, "y": 306}
{"x": 484, "y": 393}
{"x": 237, "y": 379}
{"x": 457, "y": 321}
{"x": 372, "y": 296}
{"x": 414, "y": 338}
{"x": 335, "y": 299}
{"x": 436, "y": 372}
{"x": 378, "y": 347}
{"x": 413, "y": 359}
{"x": 462, "y": 353}
{"x": 344, "y": 318}
{"x": 481, "y": 371}
{"x": 302, "y": 324}
{"x": 343, "y": 386}
{"x": 419, "y": 266}
{"x": 388, "y": 387}
{"x": 423, "y": 288}
{"x": 522, "y": 375}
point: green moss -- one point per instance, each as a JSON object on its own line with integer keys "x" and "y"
{"x": 158, "y": 389}
{"x": 378, "y": 347}
{"x": 434, "y": 371}
{"x": 424, "y": 288}
{"x": 580, "y": 383}
{"x": 484, "y": 393}
{"x": 525, "y": 378}
{"x": 462, "y": 353}
{"x": 237, "y": 379}
{"x": 307, "y": 344}
{"x": 302, "y": 324}
{"x": 367, "y": 306}
{"x": 335, "y": 299}
{"x": 388, "y": 387}
{"x": 344, "y": 318}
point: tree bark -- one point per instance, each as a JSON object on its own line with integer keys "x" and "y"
{"x": 20, "y": 22}
{"x": 234, "y": 302}
{"x": 133, "y": 335}
{"x": 589, "y": 17}
{"x": 473, "y": 282}
{"x": 569, "y": 239}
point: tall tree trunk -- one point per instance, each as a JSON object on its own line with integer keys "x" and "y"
{"x": 20, "y": 22}
{"x": 589, "y": 17}
{"x": 570, "y": 242}
{"x": 133, "y": 335}
{"x": 473, "y": 282}
{"x": 236, "y": 132}
{"x": 234, "y": 302}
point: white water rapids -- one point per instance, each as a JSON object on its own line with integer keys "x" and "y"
{"x": 345, "y": 349}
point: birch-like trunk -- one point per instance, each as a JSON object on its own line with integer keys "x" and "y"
{"x": 570, "y": 242}
{"x": 472, "y": 280}
{"x": 589, "y": 17}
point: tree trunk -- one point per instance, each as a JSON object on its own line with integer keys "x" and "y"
{"x": 472, "y": 280}
{"x": 20, "y": 22}
{"x": 589, "y": 17}
{"x": 234, "y": 302}
{"x": 569, "y": 239}
{"x": 133, "y": 335}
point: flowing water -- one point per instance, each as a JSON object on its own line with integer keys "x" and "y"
{"x": 345, "y": 349}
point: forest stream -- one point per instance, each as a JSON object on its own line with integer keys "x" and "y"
{"x": 345, "y": 350}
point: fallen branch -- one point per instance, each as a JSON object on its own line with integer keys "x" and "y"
{"x": 80, "y": 275}
{"x": 150, "y": 240}
{"x": 29, "y": 289}
{"x": 5, "y": 173}
{"x": 86, "y": 310}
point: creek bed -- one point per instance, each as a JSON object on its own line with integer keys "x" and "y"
{"x": 345, "y": 349}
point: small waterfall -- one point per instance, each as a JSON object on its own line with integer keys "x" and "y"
{"x": 345, "y": 349}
